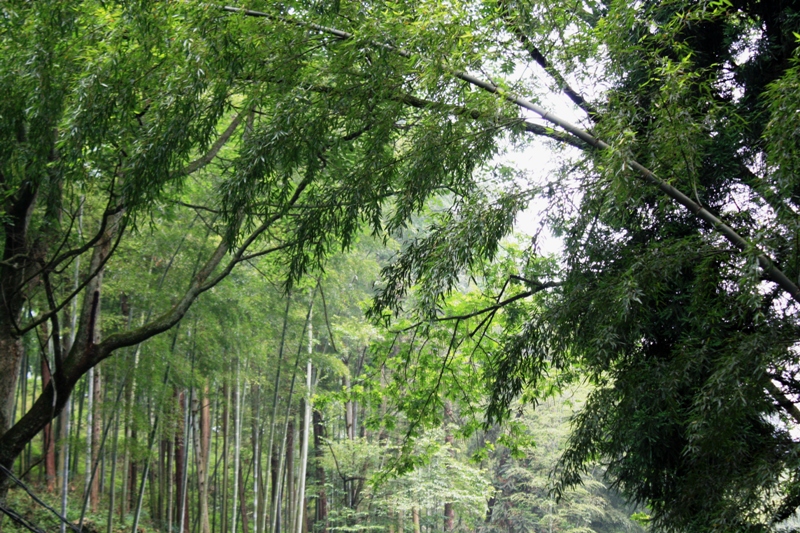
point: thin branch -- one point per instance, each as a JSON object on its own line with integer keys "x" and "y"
{"x": 492, "y": 308}
{"x": 33, "y": 495}
{"x": 198, "y": 207}
{"x": 542, "y": 61}
{"x": 46, "y": 316}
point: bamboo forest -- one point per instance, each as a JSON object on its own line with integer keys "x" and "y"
{"x": 399, "y": 266}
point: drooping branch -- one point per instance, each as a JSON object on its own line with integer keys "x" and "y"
{"x": 771, "y": 271}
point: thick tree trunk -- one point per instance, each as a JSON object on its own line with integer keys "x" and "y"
{"x": 14, "y": 270}
{"x": 11, "y": 350}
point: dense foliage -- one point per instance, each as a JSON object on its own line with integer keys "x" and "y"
{"x": 287, "y": 129}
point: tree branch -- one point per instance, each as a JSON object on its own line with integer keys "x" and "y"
{"x": 492, "y": 308}
{"x": 542, "y": 61}
{"x": 209, "y": 156}
{"x": 785, "y": 403}
{"x": 771, "y": 272}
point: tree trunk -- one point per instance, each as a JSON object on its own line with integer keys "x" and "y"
{"x": 13, "y": 273}
{"x": 288, "y": 483}
{"x": 181, "y": 466}
{"x": 449, "y": 512}
{"x": 243, "y": 505}
{"x": 225, "y": 441}
{"x": 201, "y": 442}
{"x": 255, "y": 402}
{"x": 65, "y": 414}
{"x": 113, "y": 481}
{"x": 97, "y": 433}
{"x": 322, "y": 497}
{"x": 273, "y": 476}
{"x": 301, "y": 482}
{"x": 48, "y": 442}
{"x": 276, "y": 509}
{"x": 237, "y": 422}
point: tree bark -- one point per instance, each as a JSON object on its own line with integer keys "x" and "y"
{"x": 322, "y": 497}
{"x": 48, "y": 439}
{"x": 449, "y": 512}
{"x": 288, "y": 484}
{"x": 97, "y": 434}
{"x": 202, "y": 434}
{"x": 225, "y": 442}
{"x": 180, "y": 492}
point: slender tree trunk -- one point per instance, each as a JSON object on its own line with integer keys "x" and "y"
{"x": 170, "y": 485}
{"x": 65, "y": 414}
{"x": 415, "y": 518}
{"x": 288, "y": 485}
{"x": 182, "y": 454}
{"x": 255, "y": 402}
{"x": 301, "y": 485}
{"x": 23, "y": 376}
{"x": 113, "y": 481}
{"x": 179, "y": 431}
{"x": 348, "y": 410}
{"x": 202, "y": 433}
{"x": 322, "y": 497}
{"x": 225, "y": 441}
{"x": 48, "y": 443}
{"x": 273, "y": 476}
{"x": 164, "y": 476}
{"x": 287, "y": 433}
{"x": 237, "y": 422}
{"x": 97, "y": 433}
{"x": 276, "y": 509}
{"x": 449, "y": 511}
{"x": 243, "y": 504}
